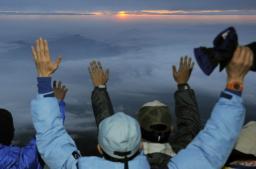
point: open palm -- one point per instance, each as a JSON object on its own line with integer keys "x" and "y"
{"x": 45, "y": 67}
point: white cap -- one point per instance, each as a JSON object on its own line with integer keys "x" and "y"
{"x": 154, "y": 103}
{"x": 246, "y": 142}
{"x": 119, "y": 133}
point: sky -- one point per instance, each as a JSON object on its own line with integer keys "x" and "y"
{"x": 81, "y": 5}
{"x": 138, "y": 40}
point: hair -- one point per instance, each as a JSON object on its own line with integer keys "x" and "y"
{"x": 6, "y": 127}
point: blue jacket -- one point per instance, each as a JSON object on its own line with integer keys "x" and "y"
{"x": 14, "y": 157}
{"x": 209, "y": 149}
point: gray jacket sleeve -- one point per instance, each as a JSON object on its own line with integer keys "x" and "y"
{"x": 187, "y": 118}
{"x": 101, "y": 104}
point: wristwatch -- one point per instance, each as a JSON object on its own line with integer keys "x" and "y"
{"x": 183, "y": 86}
{"x": 236, "y": 86}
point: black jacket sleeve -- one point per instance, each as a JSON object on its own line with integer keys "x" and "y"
{"x": 187, "y": 118}
{"x": 101, "y": 104}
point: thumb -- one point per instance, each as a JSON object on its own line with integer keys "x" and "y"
{"x": 107, "y": 73}
{"x": 174, "y": 70}
{"x": 57, "y": 62}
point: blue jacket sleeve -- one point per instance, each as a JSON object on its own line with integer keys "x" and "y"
{"x": 56, "y": 147}
{"x": 62, "y": 110}
{"x": 29, "y": 156}
{"x": 212, "y": 146}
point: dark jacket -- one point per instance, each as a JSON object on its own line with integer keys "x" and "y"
{"x": 187, "y": 120}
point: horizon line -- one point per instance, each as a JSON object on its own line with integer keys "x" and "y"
{"x": 162, "y": 12}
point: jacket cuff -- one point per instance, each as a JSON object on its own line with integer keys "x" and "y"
{"x": 238, "y": 93}
{"x": 184, "y": 86}
{"x": 229, "y": 94}
{"x": 44, "y": 86}
{"x": 101, "y": 86}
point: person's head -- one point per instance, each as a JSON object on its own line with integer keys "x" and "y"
{"x": 6, "y": 127}
{"x": 119, "y": 138}
{"x": 155, "y": 122}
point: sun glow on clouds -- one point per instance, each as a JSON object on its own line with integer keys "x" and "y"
{"x": 140, "y": 15}
{"x": 122, "y": 14}
{"x": 173, "y": 12}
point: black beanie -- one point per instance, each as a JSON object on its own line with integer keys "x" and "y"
{"x": 6, "y": 127}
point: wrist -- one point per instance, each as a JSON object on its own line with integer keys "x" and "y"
{"x": 181, "y": 82}
{"x": 235, "y": 86}
{"x": 183, "y": 86}
{"x": 43, "y": 74}
{"x": 235, "y": 80}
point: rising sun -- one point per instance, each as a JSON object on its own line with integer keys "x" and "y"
{"x": 122, "y": 14}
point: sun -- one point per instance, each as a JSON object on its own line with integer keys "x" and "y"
{"x": 122, "y": 14}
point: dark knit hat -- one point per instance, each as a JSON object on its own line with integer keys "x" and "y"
{"x": 155, "y": 122}
{"x": 6, "y": 127}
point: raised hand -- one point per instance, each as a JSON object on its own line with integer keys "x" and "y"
{"x": 183, "y": 74}
{"x": 98, "y": 75}
{"x": 239, "y": 65}
{"x": 44, "y": 65}
{"x": 60, "y": 90}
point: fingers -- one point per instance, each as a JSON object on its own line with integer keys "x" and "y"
{"x": 174, "y": 70}
{"x": 251, "y": 57}
{"x": 243, "y": 55}
{"x": 192, "y": 65}
{"x": 237, "y": 53}
{"x": 54, "y": 84}
{"x": 95, "y": 66}
{"x": 58, "y": 85}
{"x": 46, "y": 49}
{"x": 107, "y": 74}
{"x": 99, "y": 66}
{"x": 185, "y": 63}
{"x": 38, "y": 50}
{"x": 189, "y": 62}
{"x": 65, "y": 90}
{"x": 181, "y": 62}
{"x": 38, "y": 47}
{"x": 98, "y": 75}
{"x": 41, "y": 48}
{"x": 34, "y": 53}
{"x": 248, "y": 57}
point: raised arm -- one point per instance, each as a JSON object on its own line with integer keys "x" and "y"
{"x": 56, "y": 147}
{"x": 186, "y": 108}
{"x": 212, "y": 146}
{"x": 101, "y": 103}
{"x": 60, "y": 92}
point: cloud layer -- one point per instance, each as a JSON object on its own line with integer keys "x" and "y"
{"x": 139, "y": 54}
